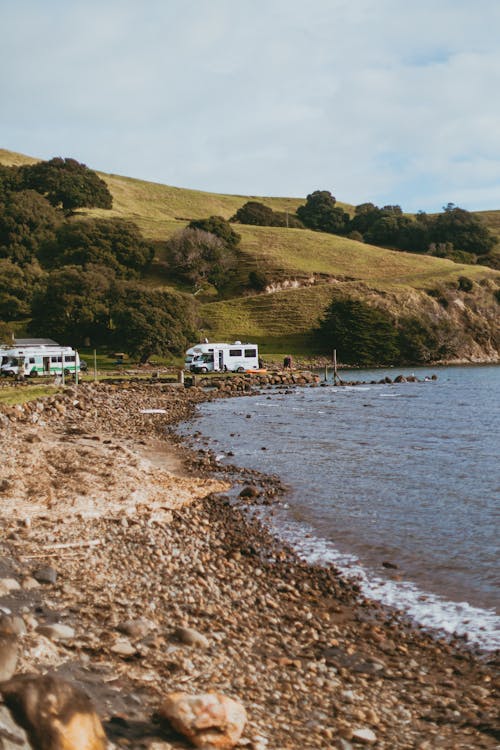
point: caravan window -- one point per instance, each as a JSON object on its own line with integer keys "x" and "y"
{"x": 32, "y": 360}
{"x": 235, "y": 352}
{"x": 250, "y": 352}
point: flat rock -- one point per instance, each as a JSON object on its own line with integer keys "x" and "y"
{"x": 123, "y": 647}
{"x": 209, "y": 720}
{"x": 192, "y": 637}
{"x": 364, "y": 735}
{"x": 56, "y": 631}
{"x": 47, "y": 574}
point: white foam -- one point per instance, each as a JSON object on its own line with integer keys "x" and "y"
{"x": 480, "y": 627}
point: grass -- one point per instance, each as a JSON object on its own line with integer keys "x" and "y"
{"x": 319, "y": 263}
{"x": 11, "y": 395}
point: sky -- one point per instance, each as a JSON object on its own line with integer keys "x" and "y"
{"x": 388, "y": 101}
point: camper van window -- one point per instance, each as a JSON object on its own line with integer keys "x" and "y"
{"x": 250, "y": 353}
{"x": 235, "y": 352}
{"x": 32, "y": 360}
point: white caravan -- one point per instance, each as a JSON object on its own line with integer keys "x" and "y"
{"x": 216, "y": 357}
{"x": 39, "y": 360}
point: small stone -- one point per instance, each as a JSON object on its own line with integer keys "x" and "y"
{"x": 123, "y": 647}
{"x": 8, "y": 657}
{"x": 12, "y": 625}
{"x": 191, "y": 637}
{"x": 46, "y": 574}
{"x": 56, "y": 631}
{"x": 29, "y": 583}
{"x": 364, "y": 735}
{"x": 9, "y": 584}
{"x": 136, "y": 628}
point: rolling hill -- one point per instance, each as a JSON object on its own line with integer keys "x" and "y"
{"x": 306, "y": 270}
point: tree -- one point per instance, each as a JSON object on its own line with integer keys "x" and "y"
{"x": 219, "y": 227}
{"x": 320, "y": 213}
{"x": 115, "y": 243}
{"x": 362, "y": 334}
{"x": 17, "y": 287}
{"x": 463, "y": 229}
{"x": 200, "y": 257}
{"x": 255, "y": 213}
{"x": 27, "y": 222}
{"x": 146, "y": 322}
{"x": 73, "y": 305}
{"x": 66, "y": 183}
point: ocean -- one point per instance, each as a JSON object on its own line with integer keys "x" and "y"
{"x": 398, "y": 485}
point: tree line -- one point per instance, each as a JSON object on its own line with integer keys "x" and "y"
{"x": 455, "y": 233}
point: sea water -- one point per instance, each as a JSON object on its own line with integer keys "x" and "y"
{"x": 398, "y": 485}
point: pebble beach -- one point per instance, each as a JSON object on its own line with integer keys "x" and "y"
{"x": 128, "y": 571}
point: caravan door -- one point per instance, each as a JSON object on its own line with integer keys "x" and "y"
{"x": 220, "y": 360}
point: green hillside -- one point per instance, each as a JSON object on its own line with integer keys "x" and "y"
{"x": 306, "y": 268}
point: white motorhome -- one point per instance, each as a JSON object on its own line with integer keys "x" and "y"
{"x": 218, "y": 357}
{"x": 50, "y": 359}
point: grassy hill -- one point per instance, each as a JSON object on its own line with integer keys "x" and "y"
{"x": 307, "y": 268}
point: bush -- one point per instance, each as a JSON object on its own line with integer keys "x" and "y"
{"x": 465, "y": 284}
{"x": 66, "y": 183}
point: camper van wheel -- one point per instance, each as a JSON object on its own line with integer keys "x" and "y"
{"x": 240, "y": 369}
{"x": 203, "y": 369}
{"x": 67, "y": 373}
{"x": 33, "y": 374}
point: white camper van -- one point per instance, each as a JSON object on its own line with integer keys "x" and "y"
{"x": 217, "y": 357}
{"x": 39, "y": 360}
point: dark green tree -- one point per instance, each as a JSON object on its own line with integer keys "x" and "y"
{"x": 115, "y": 243}
{"x": 27, "y": 222}
{"x": 463, "y": 229}
{"x": 146, "y": 322}
{"x": 219, "y": 227}
{"x": 321, "y": 214}
{"x": 66, "y": 183}
{"x": 360, "y": 333}
{"x": 18, "y": 284}
{"x": 73, "y": 305}
{"x": 256, "y": 214}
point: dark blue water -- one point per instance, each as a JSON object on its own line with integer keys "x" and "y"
{"x": 406, "y": 474}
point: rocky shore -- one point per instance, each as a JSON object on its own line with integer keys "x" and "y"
{"x": 125, "y": 569}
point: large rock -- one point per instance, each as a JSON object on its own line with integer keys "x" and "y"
{"x": 208, "y": 720}
{"x": 55, "y": 714}
{"x": 12, "y": 737}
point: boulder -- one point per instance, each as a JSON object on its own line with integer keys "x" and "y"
{"x": 209, "y": 720}
{"x": 55, "y": 714}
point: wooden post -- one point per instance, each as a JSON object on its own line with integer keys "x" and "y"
{"x": 63, "y": 377}
{"x": 95, "y": 366}
{"x": 326, "y": 373}
{"x": 335, "y": 373}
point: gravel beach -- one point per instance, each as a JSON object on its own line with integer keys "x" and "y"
{"x": 129, "y": 572}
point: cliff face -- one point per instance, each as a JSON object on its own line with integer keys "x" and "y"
{"x": 466, "y": 323}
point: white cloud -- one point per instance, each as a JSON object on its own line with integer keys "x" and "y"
{"x": 374, "y": 100}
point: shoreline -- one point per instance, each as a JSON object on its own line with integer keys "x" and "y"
{"x": 307, "y": 548}
{"x": 311, "y": 660}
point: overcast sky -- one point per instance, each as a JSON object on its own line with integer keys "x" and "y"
{"x": 390, "y": 101}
